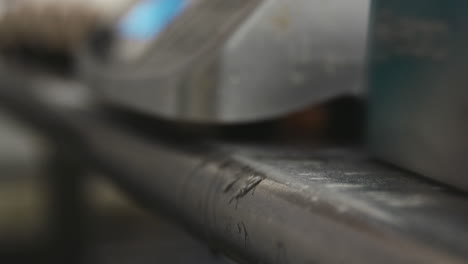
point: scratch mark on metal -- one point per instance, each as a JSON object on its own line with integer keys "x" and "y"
{"x": 250, "y": 185}
{"x": 357, "y": 173}
{"x": 230, "y": 185}
{"x": 318, "y": 178}
{"x": 239, "y": 229}
{"x": 246, "y": 235}
{"x": 343, "y": 185}
{"x": 242, "y": 230}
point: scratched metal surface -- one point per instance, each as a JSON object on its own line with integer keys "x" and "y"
{"x": 284, "y": 205}
{"x": 265, "y": 204}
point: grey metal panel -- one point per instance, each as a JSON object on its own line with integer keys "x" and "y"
{"x": 291, "y": 54}
{"x": 265, "y": 204}
{"x": 291, "y": 205}
{"x": 245, "y": 61}
{"x": 419, "y": 97}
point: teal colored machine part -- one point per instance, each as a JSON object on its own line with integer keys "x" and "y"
{"x": 149, "y": 17}
{"x": 419, "y": 86}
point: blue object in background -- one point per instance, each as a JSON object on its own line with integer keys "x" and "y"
{"x": 149, "y": 17}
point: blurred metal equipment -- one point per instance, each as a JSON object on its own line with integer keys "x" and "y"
{"x": 419, "y": 93}
{"x": 262, "y": 203}
{"x": 217, "y": 61}
{"x": 287, "y": 204}
{"x": 220, "y": 61}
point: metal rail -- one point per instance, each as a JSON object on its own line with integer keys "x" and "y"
{"x": 267, "y": 204}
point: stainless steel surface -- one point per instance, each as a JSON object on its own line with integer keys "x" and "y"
{"x": 266, "y": 204}
{"x": 121, "y": 232}
{"x": 243, "y": 61}
{"x": 418, "y": 99}
{"x": 279, "y": 205}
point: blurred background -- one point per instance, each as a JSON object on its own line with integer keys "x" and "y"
{"x": 380, "y": 82}
{"x": 114, "y": 229}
